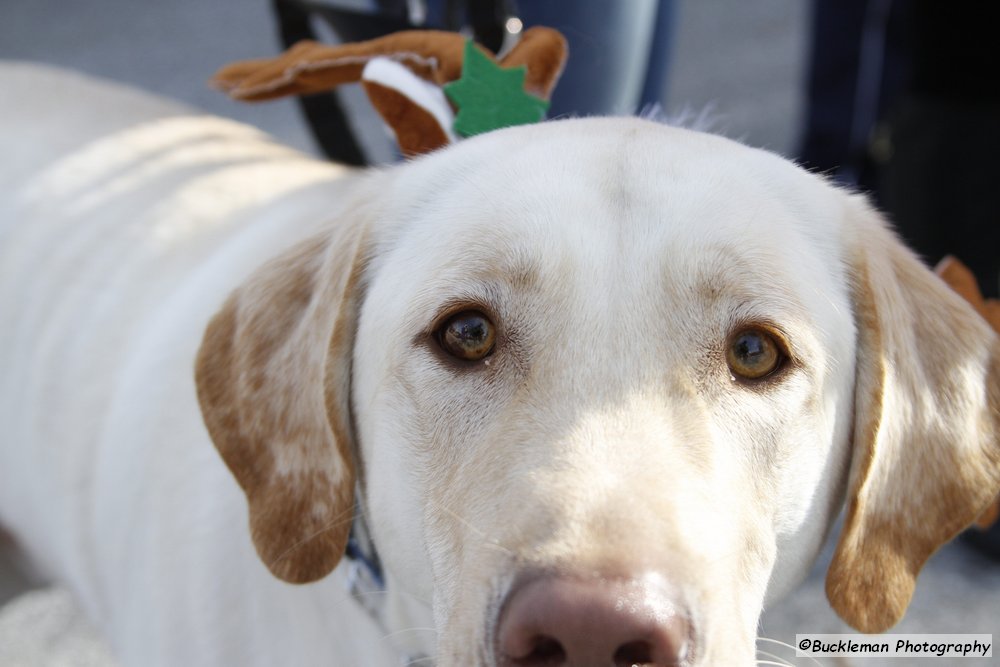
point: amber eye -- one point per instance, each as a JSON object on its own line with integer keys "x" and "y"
{"x": 753, "y": 354}
{"x": 469, "y": 335}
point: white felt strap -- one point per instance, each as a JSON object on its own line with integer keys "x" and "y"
{"x": 390, "y": 74}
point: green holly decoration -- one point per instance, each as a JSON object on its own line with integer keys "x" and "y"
{"x": 489, "y": 97}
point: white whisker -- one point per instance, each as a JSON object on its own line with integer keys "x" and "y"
{"x": 407, "y": 630}
{"x": 335, "y": 522}
{"x": 775, "y": 657}
{"x": 395, "y": 591}
{"x": 788, "y": 646}
{"x": 490, "y": 542}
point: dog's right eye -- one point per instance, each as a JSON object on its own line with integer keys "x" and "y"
{"x": 754, "y": 354}
{"x": 469, "y": 335}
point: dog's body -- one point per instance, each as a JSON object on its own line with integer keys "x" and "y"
{"x": 103, "y": 282}
{"x": 602, "y": 439}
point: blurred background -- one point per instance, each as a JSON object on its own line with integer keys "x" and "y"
{"x": 748, "y": 67}
{"x": 744, "y": 61}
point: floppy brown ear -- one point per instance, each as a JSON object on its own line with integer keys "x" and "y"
{"x": 273, "y": 380}
{"x": 961, "y": 279}
{"x": 926, "y": 458}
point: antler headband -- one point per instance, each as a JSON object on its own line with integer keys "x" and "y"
{"x": 409, "y": 78}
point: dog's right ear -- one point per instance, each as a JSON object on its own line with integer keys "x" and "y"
{"x": 926, "y": 451}
{"x": 273, "y": 380}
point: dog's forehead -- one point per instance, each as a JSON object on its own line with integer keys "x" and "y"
{"x": 618, "y": 196}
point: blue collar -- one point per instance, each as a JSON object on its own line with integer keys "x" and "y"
{"x": 365, "y": 579}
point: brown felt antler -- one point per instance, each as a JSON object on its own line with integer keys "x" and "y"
{"x": 311, "y": 67}
{"x": 961, "y": 279}
{"x": 415, "y": 115}
{"x": 543, "y": 52}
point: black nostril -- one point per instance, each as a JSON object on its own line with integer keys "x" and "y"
{"x": 634, "y": 653}
{"x": 544, "y": 651}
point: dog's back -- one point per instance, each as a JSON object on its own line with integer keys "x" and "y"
{"x": 125, "y": 220}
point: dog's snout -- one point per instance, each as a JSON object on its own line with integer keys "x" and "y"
{"x": 560, "y": 621}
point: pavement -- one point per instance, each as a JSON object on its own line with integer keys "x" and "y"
{"x": 741, "y": 60}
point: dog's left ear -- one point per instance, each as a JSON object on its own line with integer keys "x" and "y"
{"x": 273, "y": 378}
{"x": 926, "y": 455}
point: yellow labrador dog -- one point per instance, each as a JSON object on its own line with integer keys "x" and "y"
{"x": 587, "y": 392}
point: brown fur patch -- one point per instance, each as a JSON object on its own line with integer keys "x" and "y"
{"x": 279, "y": 419}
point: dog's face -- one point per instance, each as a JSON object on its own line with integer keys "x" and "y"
{"x": 603, "y": 382}
{"x": 633, "y": 292}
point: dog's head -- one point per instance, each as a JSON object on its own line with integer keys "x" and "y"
{"x": 606, "y": 384}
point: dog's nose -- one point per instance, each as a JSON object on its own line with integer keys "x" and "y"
{"x": 561, "y": 621}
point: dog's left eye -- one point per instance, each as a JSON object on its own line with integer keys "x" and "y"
{"x": 469, "y": 335}
{"x": 753, "y": 354}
